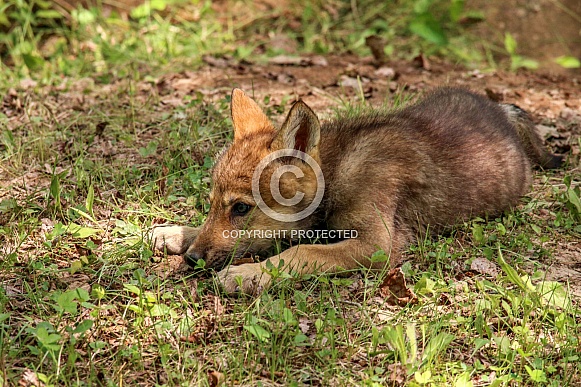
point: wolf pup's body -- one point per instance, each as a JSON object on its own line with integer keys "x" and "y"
{"x": 388, "y": 176}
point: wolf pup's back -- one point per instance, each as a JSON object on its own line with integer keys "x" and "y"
{"x": 453, "y": 155}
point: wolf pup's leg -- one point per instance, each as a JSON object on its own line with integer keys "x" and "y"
{"x": 348, "y": 254}
{"x": 174, "y": 239}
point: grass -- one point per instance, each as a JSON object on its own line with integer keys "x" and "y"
{"x": 90, "y": 164}
{"x": 45, "y": 45}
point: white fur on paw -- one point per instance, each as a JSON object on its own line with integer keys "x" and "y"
{"x": 247, "y": 278}
{"x": 169, "y": 238}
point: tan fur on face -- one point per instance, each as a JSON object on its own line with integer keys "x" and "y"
{"x": 254, "y": 139}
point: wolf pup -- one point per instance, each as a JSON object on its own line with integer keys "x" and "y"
{"x": 369, "y": 182}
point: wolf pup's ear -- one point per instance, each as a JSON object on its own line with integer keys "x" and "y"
{"x": 247, "y": 116}
{"x": 301, "y": 131}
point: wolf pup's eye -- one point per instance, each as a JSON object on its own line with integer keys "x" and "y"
{"x": 240, "y": 209}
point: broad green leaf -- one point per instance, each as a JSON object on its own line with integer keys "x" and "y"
{"x": 257, "y": 331}
{"x": 32, "y": 61}
{"x": 422, "y": 6}
{"x": 48, "y": 14}
{"x": 8, "y": 205}
{"x": 574, "y": 199}
{"x": 528, "y": 63}
{"x": 76, "y": 265}
{"x": 536, "y": 375}
{"x": 81, "y": 294}
{"x": 568, "y": 62}
{"x": 536, "y": 229}
{"x": 423, "y": 377}
{"x": 429, "y": 28}
{"x": 83, "y": 16}
{"x": 83, "y": 326}
{"x": 456, "y": 9}
{"x": 436, "y": 345}
{"x": 510, "y": 272}
{"x": 288, "y": 317}
{"x": 82, "y": 232}
{"x": 300, "y": 339}
{"x": 162, "y": 310}
{"x": 478, "y": 233}
{"x": 463, "y": 380}
{"x": 554, "y": 293}
{"x": 132, "y": 289}
{"x": 90, "y": 200}
{"x": 509, "y": 44}
{"x": 55, "y": 190}
{"x": 146, "y": 9}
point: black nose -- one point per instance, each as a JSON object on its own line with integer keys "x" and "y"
{"x": 192, "y": 257}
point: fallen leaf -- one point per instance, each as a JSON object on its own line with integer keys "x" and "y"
{"x": 29, "y": 379}
{"x": 218, "y": 307}
{"x": 484, "y": 266}
{"x": 395, "y": 290}
{"x": 385, "y": 72}
{"x": 215, "y": 378}
{"x": 216, "y": 62}
{"x": 347, "y": 81}
{"x": 286, "y": 60}
{"x": 422, "y": 62}
{"x": 494, "y": 95}
{"x": 398, "y": 373}
{"x": 172, "y": 264}
{"x": 100, "y": 128}
{"x": 282, "y": 42}
{"x": 319, "y": 60}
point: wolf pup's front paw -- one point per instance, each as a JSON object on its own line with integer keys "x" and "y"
{"x": 248, "y": 278}
{"x": 174, "y": 239}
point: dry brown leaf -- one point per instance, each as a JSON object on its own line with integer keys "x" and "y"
{"x": 304, "y": 325}
{"x": 398, "y": 374}
{"x": 484, "y": 266}
{"x": 29, "y": 379}
{"x": 286, "y": 60}
{"x": 173, "y": 264}
{"x": 422, "y": 62}
{"x": 100, "y": 128}
{"x": 215, "y": 378}
{"x": 221, "y": 63}
{"x": 218, "y": 307}
{"x": 395, "y": 290}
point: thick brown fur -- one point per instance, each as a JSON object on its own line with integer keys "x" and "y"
{"x": 390, "y": 176}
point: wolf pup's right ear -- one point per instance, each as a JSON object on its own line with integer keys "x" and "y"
{"x": 301, "y": 131}
{"x": 247, "y": 116}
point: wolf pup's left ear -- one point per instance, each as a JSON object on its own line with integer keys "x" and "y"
{"x": 247, "y": 116}
{"x": 301, "y": 131}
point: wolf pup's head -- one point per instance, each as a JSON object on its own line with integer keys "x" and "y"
{"x": 265, "y": 185}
